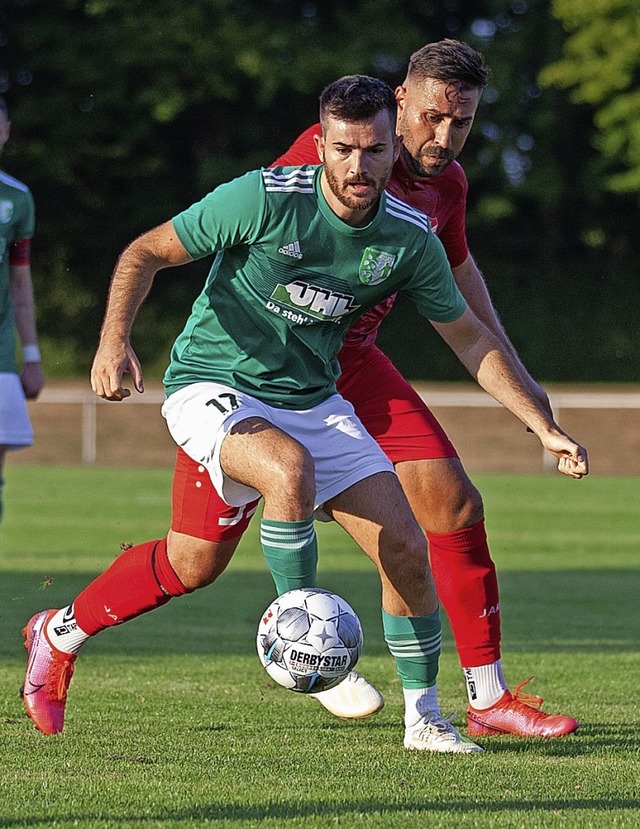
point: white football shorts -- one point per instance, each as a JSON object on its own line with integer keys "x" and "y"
{"x": 200, "y": 415}
{"x": 15, "y": 426}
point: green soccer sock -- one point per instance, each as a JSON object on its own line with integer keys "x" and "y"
{"x": 414, "y": 642}
{"x": 291, "y": 551}
{"x": 1, "y": 498}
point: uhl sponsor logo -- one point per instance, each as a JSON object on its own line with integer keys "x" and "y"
{"x": 319, "y": 303}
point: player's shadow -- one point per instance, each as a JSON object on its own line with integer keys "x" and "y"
{"x": 421, "y": 807}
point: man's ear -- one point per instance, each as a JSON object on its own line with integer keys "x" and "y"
{"x": 319, "y": 142}
{"x": 397, "y": 145}
{"x": 401, "y": 94}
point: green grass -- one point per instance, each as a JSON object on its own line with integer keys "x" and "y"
{"x": 173, "y": 722}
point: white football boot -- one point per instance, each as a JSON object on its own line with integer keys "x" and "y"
{"x": 353, "y": 699}
{"x": 433, "y": 732}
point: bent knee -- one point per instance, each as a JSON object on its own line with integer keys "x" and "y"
{"x": 198, "y": 562}
{"x": 466, "y": 506}
{"x": 460, "y": 510}
{"x": 441, "y": 495}
{"x": 291, "y": 484}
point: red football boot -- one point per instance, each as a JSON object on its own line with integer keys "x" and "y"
{"x": 520, "y": 714}
{"x": 49, "y": 673}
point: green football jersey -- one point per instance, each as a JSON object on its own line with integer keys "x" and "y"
{"x": 17, "y": 217}
{"x": 289, "y": 278}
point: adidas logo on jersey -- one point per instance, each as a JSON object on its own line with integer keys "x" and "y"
{"x": 292, "y": 249}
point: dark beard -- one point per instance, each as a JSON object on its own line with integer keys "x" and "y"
{"x": 340, "y": 191}
{"x": 414, "y": 165}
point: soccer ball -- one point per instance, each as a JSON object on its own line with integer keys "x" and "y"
{"x": 309, "y": 639}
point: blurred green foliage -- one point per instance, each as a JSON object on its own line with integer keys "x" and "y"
{"x": 126, "y": 112}
{"x": 601, "y": 66}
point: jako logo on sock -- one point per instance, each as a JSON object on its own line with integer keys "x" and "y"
{"x": 471, "y": 685}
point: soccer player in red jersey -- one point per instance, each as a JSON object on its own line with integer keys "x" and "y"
{"x": 437, "y": 103}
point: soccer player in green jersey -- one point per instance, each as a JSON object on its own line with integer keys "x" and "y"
{"x": 16, "y": 310}
{"x": 298, "y": 253}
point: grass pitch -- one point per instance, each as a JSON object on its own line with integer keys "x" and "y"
{"x": 172, "y": 721}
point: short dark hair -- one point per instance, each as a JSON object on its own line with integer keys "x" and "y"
{"x": 4, "y": 109}
{"x": 452, "y": 62}
{"x": 355, "y": 98}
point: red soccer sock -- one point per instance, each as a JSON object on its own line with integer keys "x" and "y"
{"x": 140, "y": 579}
{"x": 467, "y": 586}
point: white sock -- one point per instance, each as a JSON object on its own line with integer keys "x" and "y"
{"x": 64, "y": 633}
{"x": 417, "y": 701}
{"x": 485, "y": 684}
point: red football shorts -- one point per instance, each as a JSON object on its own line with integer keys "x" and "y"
{"x": 198, "y": 510}
{"x": 392, "y": 412}
{"x": 390, "y": 409}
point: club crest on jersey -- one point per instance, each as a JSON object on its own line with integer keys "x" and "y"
{"x": 310, "y": 303}
{"x": 375, "y": 266}
{"x": 6, "y": 212}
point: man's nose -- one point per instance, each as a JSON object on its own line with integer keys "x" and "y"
{"x": 443, "y": 134}
{"x": 358, "y": 163}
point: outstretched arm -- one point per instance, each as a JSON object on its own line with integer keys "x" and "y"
{"x": 131, "y": 282}
{"x": 486, "y": 358}
{"x": 474, "y": 289}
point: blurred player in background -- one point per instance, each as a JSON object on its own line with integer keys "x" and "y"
{"x": 17, "y": 217}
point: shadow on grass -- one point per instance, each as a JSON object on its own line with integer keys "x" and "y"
{"x": 591, "y": 738}
{"x": 541, "y": 612}
{"x": 277, "y": 810}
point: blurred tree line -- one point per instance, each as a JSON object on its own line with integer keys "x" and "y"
{"x": 126, "y": 111}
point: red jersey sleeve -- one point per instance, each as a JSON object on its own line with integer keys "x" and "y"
{"x": 19, "y": 252}
{"x": 302, "y": 151}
